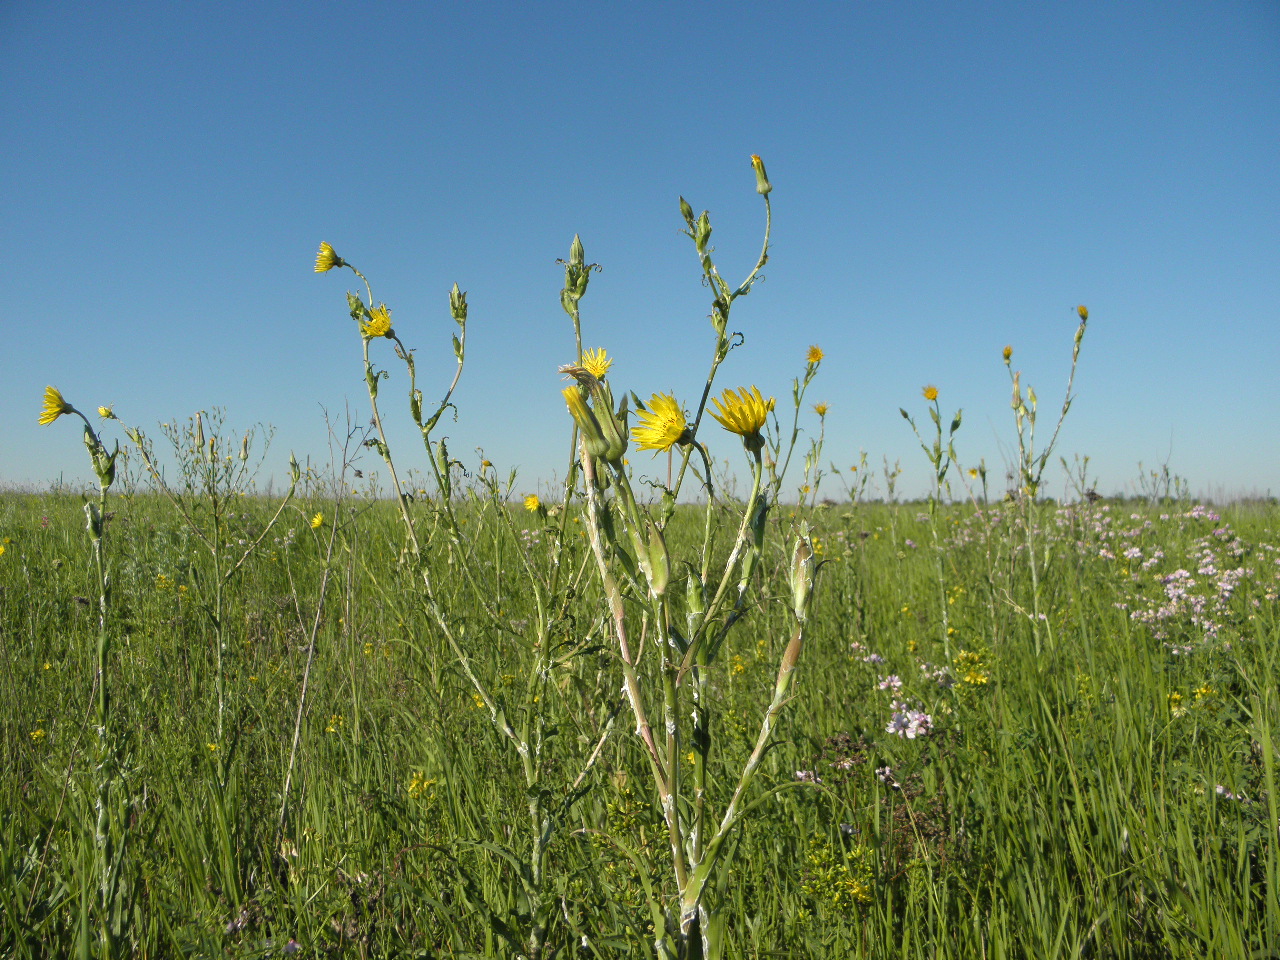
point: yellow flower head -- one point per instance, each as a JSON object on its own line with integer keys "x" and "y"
{"x": 1007, "y": 353}
{"x": 54, "y": 406}
{"x": 596, "y": 362}
{"x": 815, "y": 354}
{"x": 532, "y": 503}
{"x": 1083, "y": 312}
{"x": 973, "y": 472}
{"x": 105, "y": 413}
{"x": 379, "y": 322}
{"x": 930, "y": 393}
{"x": 662, "y": 426}
{"x": 317, "y": 521}
{"x": 820, "y": 409}
{"x": 326, "y": 259}
{"x": 743, "y": 412}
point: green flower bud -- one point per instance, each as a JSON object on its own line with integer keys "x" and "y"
{"x": 702, "y": 232}
{"x": 659, "y": 563}
{"x": 686, "y": 211}
{"x": 415, "y": 406}
{"x": 93, "y": 520}
{"x": 802, "y": 569}
{"x": 295, "y": 472}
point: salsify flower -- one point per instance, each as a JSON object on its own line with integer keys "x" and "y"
{"x": 815, "y": 354}
{"x": 105, "y": 413}
{"x": 743, "y": 412}
{"x": 327, "y": 259}
{"x": 596, "y": 362}
{"x": 379, "y": 322}
{"x": 54, "y": 406}
{"x": 317, "y": 521}
{"x": 662, "y": 426}
{"x": 930, "y": 393}
{"x": 1007, "y": 353}
{"x": 532, "y": 503}
{"x": 820, "y": 409}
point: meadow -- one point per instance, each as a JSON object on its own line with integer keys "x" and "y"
{"x": 683, "y": 716}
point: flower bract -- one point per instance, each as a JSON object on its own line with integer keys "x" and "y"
{"x": 661, "y": 426}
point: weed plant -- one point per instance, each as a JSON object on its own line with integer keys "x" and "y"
{"x": 464, "y": 721}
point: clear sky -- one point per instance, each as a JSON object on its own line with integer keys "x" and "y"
{"x": 948, "y": 178}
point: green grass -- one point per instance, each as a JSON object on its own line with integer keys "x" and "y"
{"x": 1065, "y": 803}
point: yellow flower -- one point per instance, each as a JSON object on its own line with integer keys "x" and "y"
{"x": 37, "y": 735}
{"x": 820, "y": 409}
{"x": 1, "y": 549}
{"x": 54, "y": 406}
{"x": 1007, "y": 353}
{"x": 743, "y": 412}
{"x": 379, "y": 323}
{"x": 661, "y": 426}
{"x": 484, "y": 465}
{"x": 326, "y": 259}
{"x": 532, "y": 503}
{"x": 105, "y": 413}
{"x": 815, "y": 354}
{"x": 1083, "y": 312}
{"x": 930, "y": 393}
{"x": 596, "y": 362}
{"x": 317, "y": 521}
{"x": 213, "y": 747}
{"x": 973, "y": 473}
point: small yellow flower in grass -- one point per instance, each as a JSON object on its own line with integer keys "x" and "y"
{"x": 532, "y": 503}
{"x": 661, "y": 426}
{"x": 821, "y": 410}
{"x": 378, "y": 324}
{"x": 1176, "y": 706}
{"x": 1, "y": 549}
{"x": 326, "y": 259}
{"x": 38, "y": 734}
{"x": 815, "y": 354}
{"x": 743, "y": 412}
{"x": 54, "y": 406}
{"x": 317, "y": 521}
{"x": 596, "y": 362}
{"x": 930, "y": 393}
{"x": 213, "y": 747}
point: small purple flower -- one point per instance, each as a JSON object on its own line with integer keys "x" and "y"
{"x": 807, "y": 776}
{"x": 891, "y": 682}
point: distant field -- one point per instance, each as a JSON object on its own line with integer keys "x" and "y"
{"x": 975, "y": 765}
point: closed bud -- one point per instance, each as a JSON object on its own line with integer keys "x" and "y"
{"x": 802, "y": 570}
{"x": 659, "y": 562}
{"x": 244, "y": 448}
{"x": 762, "y": 179}
{"x": 295, "y": 472}
{"x": 686, "y": 211}
{"x": 415, "y": 406}
{"x": 702, "y": 232}
{"x": 1082, "y": 312}
{"x": 577, "y": 255}
{"x": 199, "y": 435}
{"x": 442, "y": 465}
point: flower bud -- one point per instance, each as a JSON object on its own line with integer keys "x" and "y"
{"x": 458, "y": 304}
{"x": 199, "y": 435}
{"x": 93, "y": 520}
{"x": 762, "y": 180}
{"x": 802, "y": 569}
{"x": 659, "y": 563}
{"x": 415, "y": 406}
{"x": 1083, "y": 312}
{"x": 702, "y": 232}
{"x": 244, "y": 448}
{"x": 686, "y": 211}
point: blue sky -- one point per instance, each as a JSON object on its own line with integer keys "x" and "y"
{"x": 948, "y": 178}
